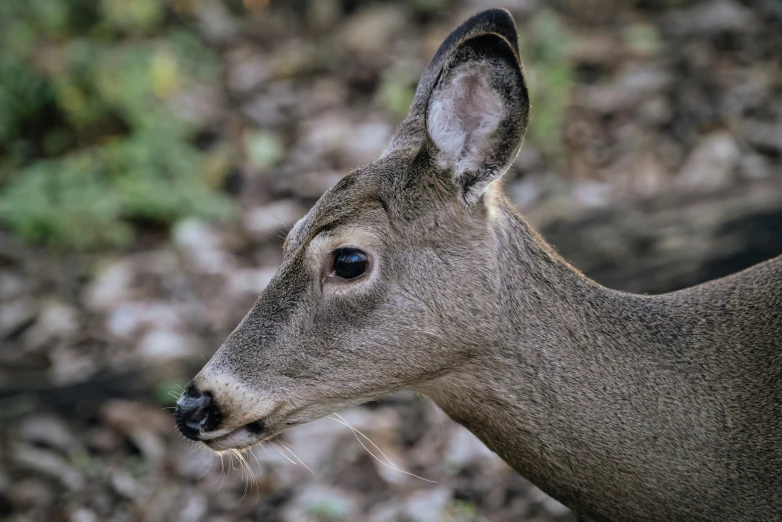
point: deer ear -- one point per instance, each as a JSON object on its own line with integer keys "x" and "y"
{"x": 477, "y": 112}
{"x": 471, "y": 104}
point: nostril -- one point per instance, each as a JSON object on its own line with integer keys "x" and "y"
{"x": 196, "y": 413}
{"x": 199, "y": 411}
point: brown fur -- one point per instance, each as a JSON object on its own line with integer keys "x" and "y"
{"x": 623, "y": 407}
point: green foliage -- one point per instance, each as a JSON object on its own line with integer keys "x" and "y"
{"x": 88, "y": 140}
{"x": 397, "y": 88}
{"x": 23, "y": 95}
{"x": 136, "y": 15}
{"x": 462, "y": 511}
{"x": 264, "y": 148}
{"x": 167, "y": 391}
{"x": 328, "y": 510}
{"x": 83, "y": 199}
{"x": 545, "y": 52}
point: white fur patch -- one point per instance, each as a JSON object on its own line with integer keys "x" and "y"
{"x": 239, "y": 403}
{"x": 462, "y": 116}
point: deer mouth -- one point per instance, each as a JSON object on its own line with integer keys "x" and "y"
{"x": 240, "y": 438}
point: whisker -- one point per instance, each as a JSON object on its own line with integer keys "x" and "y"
{"x": 239, "y": 471}
{"x": 343, "y": 421}
{"x": 390, "y": 464}
{"x": 251, "y": 473}
{"x": 210, "y": 461}
{"x": 179, "y": 433}
{"x": 231, "y": 458}
{"x": 243, "y": 466}
{"x": 233, "y": 452}
{"x": 280, "y": 452}
{"x": 249, "y": 469}
{"x": 222, "y": 471}
{"x": 290, "y": 449}
{"x": 260, "y": 468}
{"x": 228, "y": 468}
{"x": 291, "y": 446}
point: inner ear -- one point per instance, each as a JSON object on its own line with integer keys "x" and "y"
{"x": 463, "y": 115}
{"x": 477, "y": 113}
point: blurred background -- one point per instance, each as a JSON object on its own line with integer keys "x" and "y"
{"x": 154, "y": 152}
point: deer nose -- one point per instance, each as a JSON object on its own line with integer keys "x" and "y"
{"x": 196, "y": 413}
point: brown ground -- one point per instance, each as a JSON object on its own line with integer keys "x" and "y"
{"x": 683, "y": 99}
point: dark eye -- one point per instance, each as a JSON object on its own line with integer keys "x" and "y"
{"x": 350, "y": 263}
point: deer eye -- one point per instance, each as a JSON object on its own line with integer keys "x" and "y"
{"x": 349, "y": 263}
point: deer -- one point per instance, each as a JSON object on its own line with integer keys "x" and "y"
{"x": 417, "y": 272}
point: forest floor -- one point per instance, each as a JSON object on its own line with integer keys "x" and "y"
{"x": 630, "y": 102}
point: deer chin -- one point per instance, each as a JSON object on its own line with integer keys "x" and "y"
{"x": 279, "y": 420}
{"x": 240, "y": 438}
{"x": 246, "y": 436}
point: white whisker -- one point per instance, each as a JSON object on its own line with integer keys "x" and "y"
{"x": 389, "y": 464}
{"x": 281, "y": 452}
{"x": 290, "y": 449}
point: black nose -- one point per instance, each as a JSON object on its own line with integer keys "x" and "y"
{"x": 196, "y": 412}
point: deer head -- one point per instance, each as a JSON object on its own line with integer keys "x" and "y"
{"x": 389, "y": 281}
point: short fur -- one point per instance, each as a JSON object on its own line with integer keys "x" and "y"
{"x": 621, "y": 406}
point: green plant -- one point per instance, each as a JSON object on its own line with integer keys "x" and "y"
{"x": 397, "y": 88}
{"x": 328, "y": 510}
{"x": 462, "y": 511}
{"x": 168, "y": 390}
{"x": 545, "y": 51}
{"x": 88, "y": 141}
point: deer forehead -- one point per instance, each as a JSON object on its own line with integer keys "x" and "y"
{"x": 361, "y": 224}
{"x": 354, "y": 211}
{"x": 355, "y": 235}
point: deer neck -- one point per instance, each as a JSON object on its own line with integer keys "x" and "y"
{"x": 532, "y": 397}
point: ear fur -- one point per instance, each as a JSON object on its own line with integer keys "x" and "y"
{"x": 477, "y": 113}
{"x": 471, "y": 103}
